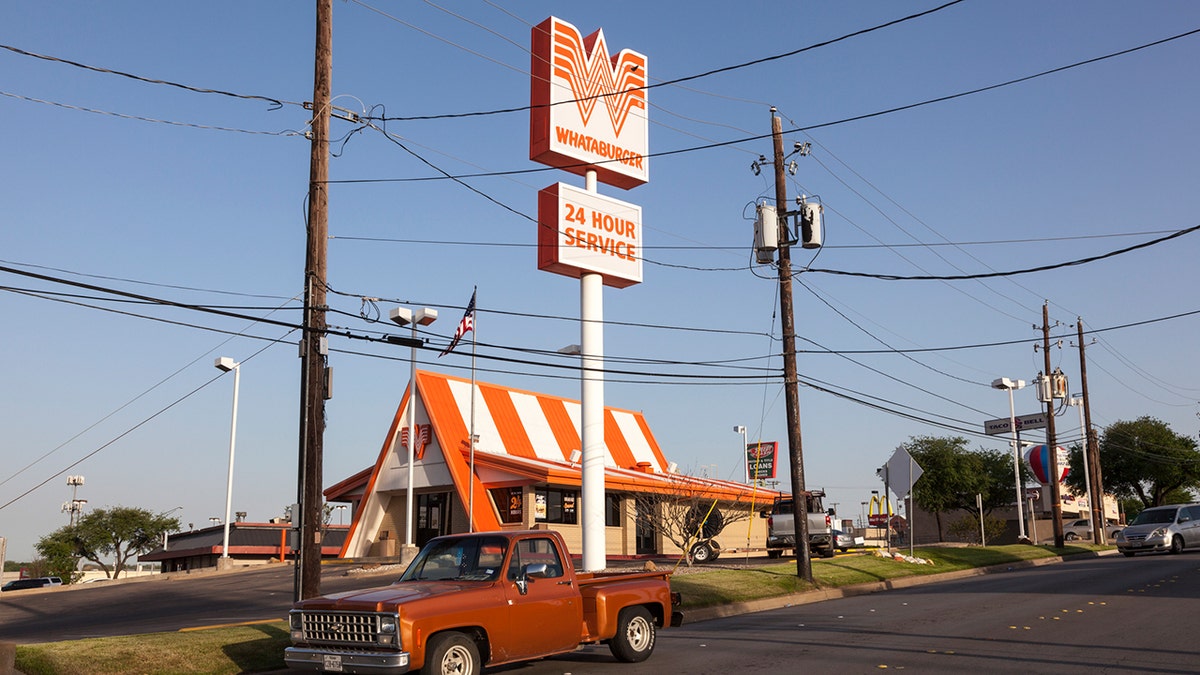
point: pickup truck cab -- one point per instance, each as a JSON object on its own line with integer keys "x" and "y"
{"x": 479, "y": 599}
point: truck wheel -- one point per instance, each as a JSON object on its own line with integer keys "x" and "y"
{"x": 774, "y": 553}
{"x": 634, "y": 641}
{"x": 827, "y": 553}
{"x": 1071, "y": 536}
{"x": 452, "y": 654}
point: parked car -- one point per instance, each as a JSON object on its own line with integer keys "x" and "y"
{"x": 841, "y": 540}
{"x": 1082, "y": 529}
{"x": 1173, "y": 528}
{"x": 34, "y": 582}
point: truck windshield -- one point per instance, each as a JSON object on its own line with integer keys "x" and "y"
{"x": 459, "y": 559}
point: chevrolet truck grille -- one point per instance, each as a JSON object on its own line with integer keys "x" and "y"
{"x": 343, "y": 628}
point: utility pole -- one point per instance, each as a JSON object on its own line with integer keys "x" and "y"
{"x": 1092, "y": 448}
{"x": 313, "y": 348}
{"x": 1051, "y": 447}
{"x": 790, "y": 382}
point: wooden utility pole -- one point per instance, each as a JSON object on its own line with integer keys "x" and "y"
{"x": 1091, "y": 448}
{"x": 313, "y": 349}
{"x": 790, "y": 380}
{"x": 1051, "y": 446}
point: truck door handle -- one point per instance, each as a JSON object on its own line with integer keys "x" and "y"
{"x": 564, "y": 583}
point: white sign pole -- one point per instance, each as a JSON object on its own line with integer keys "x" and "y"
{"x": 591, "y": 309}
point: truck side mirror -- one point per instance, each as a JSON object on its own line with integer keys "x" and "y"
{"x": 831, "y": 512}
{"x": 530, "y": 571}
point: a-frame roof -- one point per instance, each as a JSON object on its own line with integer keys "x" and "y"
{"x": 526, "y": 435}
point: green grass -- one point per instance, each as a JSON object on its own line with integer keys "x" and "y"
{"x": 718, "y": 587}
{"x": 215, "y": 651}
{"x": 259, "y": 647}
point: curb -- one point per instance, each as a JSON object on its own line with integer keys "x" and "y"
{"x": 821, "y": 595}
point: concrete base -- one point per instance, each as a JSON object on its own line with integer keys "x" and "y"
{"x": 407, "y": 553}
{"x": 226, "y": 564}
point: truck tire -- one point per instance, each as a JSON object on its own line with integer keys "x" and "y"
{"x": 452, "y": 653}
{"x": 634, "y": 641}
{"x": 774, "y": 553}
{"x": 1071, "y": 536}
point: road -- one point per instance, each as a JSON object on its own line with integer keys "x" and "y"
{"x": 1103, "y": 615}
{"x": 145, "y": 606}
{"x": 1098, "y": 615}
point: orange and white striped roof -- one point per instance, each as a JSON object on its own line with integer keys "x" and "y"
{"x": 520, "y": 434}
{"x": 527, "y": 424}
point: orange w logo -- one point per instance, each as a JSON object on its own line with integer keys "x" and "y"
{"x": 585, "y": 64}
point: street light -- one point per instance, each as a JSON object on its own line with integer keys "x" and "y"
{"x": 745, "y": 459}
{"x": 226, "y": 364}
{"x": 403, "y": 316}
{"x": 1010, "y": 385}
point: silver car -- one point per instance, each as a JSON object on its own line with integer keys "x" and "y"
{"x": 1162, "y": 528}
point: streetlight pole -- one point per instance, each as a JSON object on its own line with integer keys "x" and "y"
{"x": 402, "y": 316}
{"x": 745, "y": 458}
{"x": 226, "y": 364}
{"x": 1010, "y": 385}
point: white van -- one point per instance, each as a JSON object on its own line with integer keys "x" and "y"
{"x": 1172, "y": 528}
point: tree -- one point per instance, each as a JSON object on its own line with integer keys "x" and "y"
{"x": 118, "y": 533}
{"x": 953, "y": 475}
{"x": 58, "y": 558}
{"x": 1143, "y": 459}
{"x": 687, "y": 511}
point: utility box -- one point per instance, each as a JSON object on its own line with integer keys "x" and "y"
{"x": 766, "y": 234}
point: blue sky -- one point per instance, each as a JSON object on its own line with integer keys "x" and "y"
{"x": 1055, "y": 169}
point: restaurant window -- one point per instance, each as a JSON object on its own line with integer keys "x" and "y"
{"x": 510, "y": 502}
{"x": 612, "y": 510}
{"x": 555, "y": 505}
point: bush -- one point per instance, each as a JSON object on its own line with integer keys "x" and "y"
{"x": 967, "y": 529}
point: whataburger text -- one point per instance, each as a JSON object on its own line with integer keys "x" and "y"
{"x": 600, "y": 148}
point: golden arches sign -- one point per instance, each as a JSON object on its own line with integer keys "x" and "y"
{"x": 879, "y": 511}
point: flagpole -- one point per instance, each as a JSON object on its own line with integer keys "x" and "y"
{"x": 471, "y": 478}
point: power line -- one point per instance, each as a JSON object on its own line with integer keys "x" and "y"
{"x": 747, "y": 139}
{"x": 991, "y": 275}
{"x": 277, "y": 102}
{"x": 687, "y": 78}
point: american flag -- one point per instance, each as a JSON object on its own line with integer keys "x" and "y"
{"x": 467, "y": 324}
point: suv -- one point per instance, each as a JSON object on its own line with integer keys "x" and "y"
{"x": 1162, "y": 528}
{"x": 36, "y": 582}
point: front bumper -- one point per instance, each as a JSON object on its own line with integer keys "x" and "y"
{"x": 1146, "y": 545}
{"x": 346, "y": 660}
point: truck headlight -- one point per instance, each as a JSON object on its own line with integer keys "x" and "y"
{"x": 388, "y": 636}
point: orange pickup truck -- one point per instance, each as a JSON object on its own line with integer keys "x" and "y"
{"x": 483, "y": 599}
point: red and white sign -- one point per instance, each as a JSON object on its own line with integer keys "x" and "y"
{"x": 583, "y": 232}
{"x": 760, "y": 460}
{"x": 589, "y": 111}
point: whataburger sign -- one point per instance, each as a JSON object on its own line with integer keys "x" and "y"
{"x": 588, "y": 113}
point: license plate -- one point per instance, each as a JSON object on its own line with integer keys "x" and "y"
{"x": 333, "y": 662}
